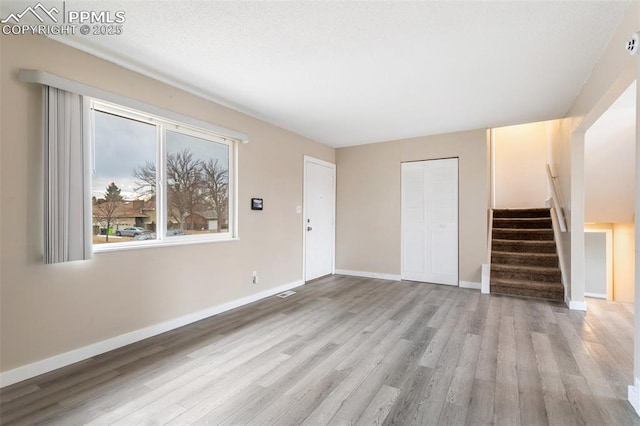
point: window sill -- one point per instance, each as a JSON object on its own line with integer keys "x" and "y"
{"x": 106, "y": 248}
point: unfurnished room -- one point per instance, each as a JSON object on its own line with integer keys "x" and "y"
{"x": 319, "y": 213}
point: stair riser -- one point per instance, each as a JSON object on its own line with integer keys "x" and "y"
{"x": 523, "y": 247}
{"x": 541, "y": 294}
{"x": 523, "y": 223}
{"x": 546, "y": 276}
{"x": 532, "y": 213}
{"x": 524, "y": 260}
{"x": 519, "y": 234}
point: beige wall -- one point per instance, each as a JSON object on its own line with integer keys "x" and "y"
{"x": 559, "y": 136}
{"x": 610, "y": 190}
{"x": 50, "y": 309}
{"x": 612, "y": 74}
{"x": 623, "y": 262}
{"x": 368, "y": 200}
{"x": 520, "y": 158}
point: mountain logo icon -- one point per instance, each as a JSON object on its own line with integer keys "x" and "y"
{"x": 38, "y": 11}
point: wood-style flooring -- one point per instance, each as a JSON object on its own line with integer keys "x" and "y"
{"x": 346, "y": 350}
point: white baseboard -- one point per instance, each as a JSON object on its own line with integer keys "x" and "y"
{"x": 470, "y": 284}
{"x": 575, "y": 305}
{"x": 394, "y": 277}
{"x": 634, "y": 396}
{"x": 596, "y": 295}
{"x": 40, "y": 367}
{"x": 365, "y": 274}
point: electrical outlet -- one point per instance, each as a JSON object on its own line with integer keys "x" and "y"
{"x": 255, "y": 277}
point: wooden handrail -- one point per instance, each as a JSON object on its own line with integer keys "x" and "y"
{"x": 557, "y": 199}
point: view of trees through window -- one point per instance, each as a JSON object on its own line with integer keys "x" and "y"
{"x": 194, "y": 179}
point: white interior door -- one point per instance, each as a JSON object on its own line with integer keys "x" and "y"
{"x": 430, "y": 221}
{"x": 319, "y": 218}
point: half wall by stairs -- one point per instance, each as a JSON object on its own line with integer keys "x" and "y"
{"x": 524, "y": 260}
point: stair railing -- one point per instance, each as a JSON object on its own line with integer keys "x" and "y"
{"x": 557, "y": 199}
{"x": 559, "y": 224}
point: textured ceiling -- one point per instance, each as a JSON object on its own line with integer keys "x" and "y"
{"x": 346, "y": 73}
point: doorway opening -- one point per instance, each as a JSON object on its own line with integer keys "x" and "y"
{"x": 609, "y": 200}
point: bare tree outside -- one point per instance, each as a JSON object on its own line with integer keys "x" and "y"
{"x": 146, "y": 178}
{"x": 184, "y": 185}
{"x": 216, "y": 182}
{"x": 193, "y": 186}
{"x": 105, "y": 209}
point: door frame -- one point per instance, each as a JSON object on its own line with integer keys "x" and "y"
{"x": 307, "y": 160}
{"x": 457, "y": 158}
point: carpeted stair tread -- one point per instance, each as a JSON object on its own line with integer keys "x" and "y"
{"x": 506, "y": 282}
{"x": 527, "y": 273}
{"x": 523, "y": 234}
{"x": 518, "y": 246}
{"x": 524, "y": 261}
{"x": 530, "y": 259}
{"x": 527, "y": 288}
{"x": 523, "y": 223}
{"x": 522, "y": 213}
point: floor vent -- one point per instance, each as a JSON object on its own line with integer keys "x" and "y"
{"x": 286, "y": 294}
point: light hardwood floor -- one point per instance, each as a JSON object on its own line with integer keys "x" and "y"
{"x": 350, "y": 350}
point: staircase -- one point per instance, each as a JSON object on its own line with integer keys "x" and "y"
{"x": 524, "y": 261}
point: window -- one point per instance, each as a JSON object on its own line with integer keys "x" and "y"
{"x": 158, "y": 181}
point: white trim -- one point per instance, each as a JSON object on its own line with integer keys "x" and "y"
{"x": 470, "y": 284}
{"x": 492, "y": 167}
{"x": 595, "y": 295}
{"x": 633, "y": 396}
{"x": 575, "y": 305}
{"x": 43, "y": 77}
{"x": 365, "y": 274}
{"x": 485, "y": 285}
{"x": 576, "y": 219}
{"x": 135, "y": 245}
{"x": 44, "y": 366}
{"x": 560, "y": 252}
{"x": 306, "y": 160}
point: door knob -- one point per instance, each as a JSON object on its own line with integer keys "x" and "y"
{"x": 309, "y": 228}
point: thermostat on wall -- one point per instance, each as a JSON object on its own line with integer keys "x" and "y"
{"x": 256, "y": 204}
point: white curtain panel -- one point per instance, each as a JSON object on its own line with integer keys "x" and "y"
{"x": 67, "y": 197}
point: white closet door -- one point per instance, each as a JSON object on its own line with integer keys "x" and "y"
{"x": 430, "y": 221}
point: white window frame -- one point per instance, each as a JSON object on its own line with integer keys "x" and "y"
{"x": 162, "y": 126}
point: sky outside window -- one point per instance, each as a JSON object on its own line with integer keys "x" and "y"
{"x": 121, "y": 145}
